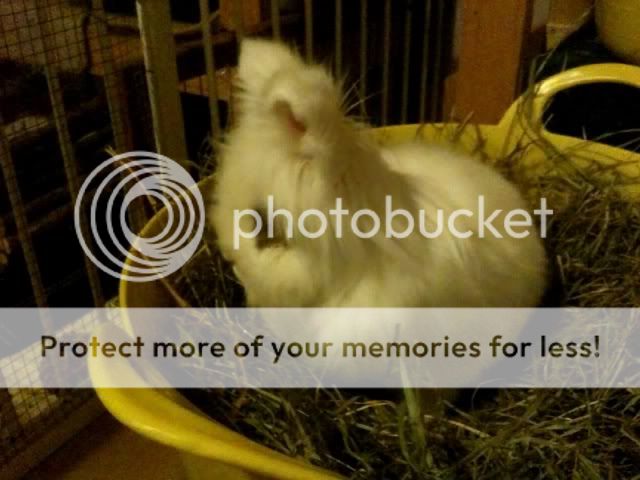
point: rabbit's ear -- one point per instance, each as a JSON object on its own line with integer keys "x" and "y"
{"x": 260, "y": 60}
{"x": 295, "y": 125}
{"x": 304, "y": 100}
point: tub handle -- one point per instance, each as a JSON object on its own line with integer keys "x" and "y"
{"x": 534, "y": 106}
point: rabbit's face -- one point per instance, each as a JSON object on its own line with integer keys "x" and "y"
{"x": 298, "y": 108}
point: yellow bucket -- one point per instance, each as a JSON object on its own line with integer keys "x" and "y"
{"x": 211, "y": 450}
{"x": 619, "y": 27}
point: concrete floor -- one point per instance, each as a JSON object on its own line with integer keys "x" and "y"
{"x": 105, "y": 451}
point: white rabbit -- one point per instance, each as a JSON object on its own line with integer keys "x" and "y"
{"x": 293, "y": 141}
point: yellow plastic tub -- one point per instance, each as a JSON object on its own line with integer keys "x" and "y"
{"x": 212, "y": 451}
{"x": 619, "y": 27}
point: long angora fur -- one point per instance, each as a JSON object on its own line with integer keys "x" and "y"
{"x": 293, "y": 140}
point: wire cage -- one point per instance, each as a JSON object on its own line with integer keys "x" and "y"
{"x": 78, "y": 76}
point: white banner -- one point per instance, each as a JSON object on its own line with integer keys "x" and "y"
{"x": 348, "y": 348}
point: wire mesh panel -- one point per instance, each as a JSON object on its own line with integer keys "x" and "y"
{"x": 72, "y": 83}
{"x": 79, "y": 76}
{"x": 65, "y": 97}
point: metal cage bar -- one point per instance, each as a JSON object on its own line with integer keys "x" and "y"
{"x": 210, "y": 66}
{"x": 424, "y": 73}
{"x": 238, "y": 18}
{"x": 308, "y": 29}
{"x": 275, "y": 19}
{"x": 364, "y": 15}
{"x": 338, "y": 38}
{"x": 71, "y": 170}
{"x": 438, "y": 60}
{"x": 117, "y": 107}
{"x": 408, "y": 19}
{"x": 66, "y": 145}
{"x": 386, "y": 62}
{"x": 159, "y": 50}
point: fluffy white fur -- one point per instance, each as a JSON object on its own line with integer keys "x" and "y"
{"x": 293, "y": 141}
